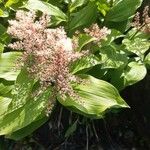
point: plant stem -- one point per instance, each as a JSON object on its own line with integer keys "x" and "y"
{"x": 87, "y": 137}
{"x": 137, "y": 31}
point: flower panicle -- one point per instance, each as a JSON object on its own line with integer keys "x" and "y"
{"x": 47, "y": 52}
{"x": 142, "y": 21}
{"x": 97, "y": 33}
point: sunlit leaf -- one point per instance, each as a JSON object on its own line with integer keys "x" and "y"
{"x": 4, "y": 102}
{"x": 19, "y": 134}
{"x": 46, "y": 8}
{"x": 76, "y": 3}
{"x": 25, "y": 115}
{"x": 94, "y": 98}
{"x": 111, "y": 58}
{"x": 135, "y": 72}
{"x": 138, "y": 45}
{"x": 84, "y": 63}
{"x": 8, "y": 69}
{"x": 10, "y": 2}
{"x": 1, "y": 47}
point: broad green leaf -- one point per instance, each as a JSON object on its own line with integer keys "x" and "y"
{"x": 117, "y": 78}
{"x": 25, "y": 115}
{"x": 8, "y": 69}
{"x": 121, "y": 26}
{"x": 111, "y": 58}
{"x": 84, "y": 63}
{"x": 138, "y": 45}
{"x": 135, "y": 72}
{"x": 85, "y": 16}
{"x": 46, "y": 8}
{"x": 4, "y": 102}
{"x": 76, "y": 3}
{"x": 123, "y": 10}
{"x": 97, "y": 71}
{"x": 19, "y": 134}
{"x": 22, "y": 91}
{"x": 94, "y": 98}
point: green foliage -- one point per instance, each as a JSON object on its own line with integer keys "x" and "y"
{"x": 123, "y": 10}
{"x": 111, "y": 58}
{"x": 30, "y": 108}
{"x": 95, "y": 97}
{"x": 84, "y": 17}
{"x": 46, "y": 8}
{"x": 138, "y": 46}
{"x": 75, "y": 4}
{"x": 134, "y": 72}
{"x": 8, "y": 65}
{"x": 112, "y": 64}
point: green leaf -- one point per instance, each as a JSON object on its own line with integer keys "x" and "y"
{"x": 94, "y": 98}
{"x": 117, "y": 78}
{"x": 2, "y": 30}
{"x": 46, "y": 8}
{"x": 121, "y": 26}
{"x": 84, "y": 63}
{"x": 5, "y": 88}
{"x": 8, "y": 69}
{"x": 23, "y": 116}
{"x": 123, "y": 10}
{"x": 85, "y": 16}
{"x": 1, "y": 48}
{"x": 71, "y": 129}
{"x": 22, "y": 91}
{"x": 11, "y": 2}
{"x": 75, "y": 4}
{"x": 115, "y": 34}
{"x": 4, "y": 37}
{"x": 3, "y": 12}
{"x": 135, "y": 72}
{"x": 138, "y": 45}
{"x": 25, "y": 107}
{"x": 111, "y": 58}
{"x": 19, "y": 134}
{"x": 4, "y": 102}
{"x": 147, "y": 59}
{"x": 103, "y": 6}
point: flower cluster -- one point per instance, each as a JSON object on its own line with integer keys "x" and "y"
{"x": 142, "y": 23}
{"x": 97, "y": 33}
{"x": 47, "y": 52}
